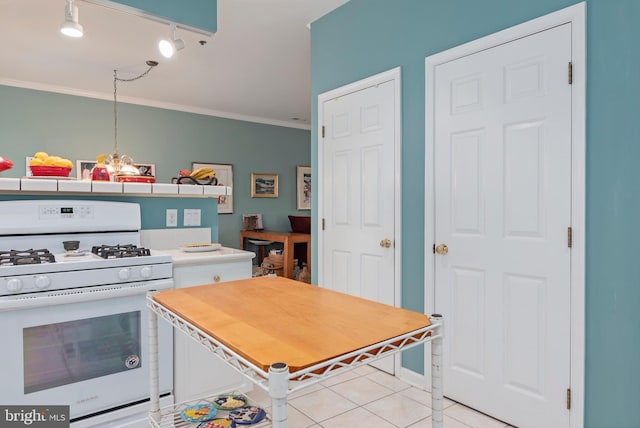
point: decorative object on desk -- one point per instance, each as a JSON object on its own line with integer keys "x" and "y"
{"x": 229, "y": 401}
{"x": 201, "y": 247}
{"x": 199, "y": 412}
{"x": 300, "y": 224}
{"x": 264, "y": 185}
{"x": 252, "y": 221}
{"x": 218, "y": 423}
{"x": 247, "y": 415}
{"x": 303, "y": 180}
{"x": 224, "y": 174}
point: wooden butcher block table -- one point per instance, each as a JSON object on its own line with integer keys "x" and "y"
{"x": 293, "y": 330}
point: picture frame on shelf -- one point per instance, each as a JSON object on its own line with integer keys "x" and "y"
{"x": 303, "y": 184}
{"x": 83, "y": 169}
{"x": 264, "y": 185}
{"x": 146, "y": 169}
{"x": 224, "y": 174}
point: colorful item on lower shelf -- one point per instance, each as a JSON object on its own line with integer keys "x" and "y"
{"x": 247, "y": 415}
{"x": 218, "y": 423}
{"x": 199, "y": 413}
{"x": 229, "y": 401}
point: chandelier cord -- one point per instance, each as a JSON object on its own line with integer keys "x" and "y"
{"x": 115, "y": 101}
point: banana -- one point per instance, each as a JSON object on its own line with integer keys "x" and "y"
{"x": 204, "y": 172}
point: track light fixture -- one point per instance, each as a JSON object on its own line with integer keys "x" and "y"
{"x": 70, "y": 27}
{"x": 170, "y": 47}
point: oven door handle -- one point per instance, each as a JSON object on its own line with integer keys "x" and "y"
{"x": 79, "y": 295}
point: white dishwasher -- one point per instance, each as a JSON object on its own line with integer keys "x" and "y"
{"x": 197, "y": 372}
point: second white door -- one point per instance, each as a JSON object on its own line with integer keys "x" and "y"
{"x": 503, "y": 208}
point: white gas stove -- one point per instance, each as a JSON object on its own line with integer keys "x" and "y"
{"x": 75, "y": 321}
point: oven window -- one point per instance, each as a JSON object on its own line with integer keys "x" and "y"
{"x": 73, "y": 351}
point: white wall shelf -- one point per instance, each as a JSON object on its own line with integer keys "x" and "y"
{"x": 43, "y": 185}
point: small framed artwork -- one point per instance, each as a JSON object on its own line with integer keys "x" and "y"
{"x": 146, "y": 169}
{"x": 83, "y": 169}
{"x": 303, "y": 181}
{"x": 264, "y": 185}
{"x": 224, "y": 174}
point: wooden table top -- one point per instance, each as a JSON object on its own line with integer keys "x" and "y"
{"x": 275, "y": 319}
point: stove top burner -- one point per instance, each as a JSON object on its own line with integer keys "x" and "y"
{"x": 25, "y": 257}
{"x": 119, "y": 251}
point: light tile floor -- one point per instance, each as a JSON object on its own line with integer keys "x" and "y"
{"x": 369, "y": 398}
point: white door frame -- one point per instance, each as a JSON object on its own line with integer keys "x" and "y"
{"x": 576, "y": 15}
{"x": 389, "y": 75}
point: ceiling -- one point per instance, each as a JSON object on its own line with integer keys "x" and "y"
{"x": 256, "y": 67}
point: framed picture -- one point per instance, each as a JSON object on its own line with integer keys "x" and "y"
{"x": 83, "y": 169}
{"x": 303, "y": 181}
{"x": 264, "y": 185}
{"x": 224, "y": 174}
{"x": 146, "y": 169}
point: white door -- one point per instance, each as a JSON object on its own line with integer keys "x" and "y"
{"x": 358, "y": 196}
{"x": 503, "y": 208}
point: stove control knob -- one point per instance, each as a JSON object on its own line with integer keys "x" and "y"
{"x": 124, "y": 274}
{"x": 14, "y": 284}
{"x": 145, "y": 272}
{"x": 43, "y": 282}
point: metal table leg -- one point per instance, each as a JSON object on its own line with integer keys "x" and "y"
{"x": 154, "y": 379}
{"x": 436, "y": 372}
{"x": 278, "y": 390}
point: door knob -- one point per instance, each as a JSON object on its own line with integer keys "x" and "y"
{"x": 442, "y": 249}
{"x": 385, "y": 243}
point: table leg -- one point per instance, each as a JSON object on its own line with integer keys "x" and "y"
{"x": 154, "y": 382}
{"x": 278, "y": 390}
{"x": 436, "y": 372}
{"x": 288, "y": 258}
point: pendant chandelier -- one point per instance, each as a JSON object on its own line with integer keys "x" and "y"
{"x": 117, "y": 163}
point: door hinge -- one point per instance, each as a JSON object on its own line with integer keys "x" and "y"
{"x": 569, "y": 237}
{"x": 434, "y": 248}
{"x": 323, "y": 224}
{"x": 322, "y": 131}
{"x": 568, "y": 398}
{"x": 570, "y": 74}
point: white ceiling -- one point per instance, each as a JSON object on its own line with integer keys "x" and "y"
{"x": 256, "y": 67}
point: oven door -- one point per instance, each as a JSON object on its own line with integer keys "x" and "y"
{"x": 86, "y": 348}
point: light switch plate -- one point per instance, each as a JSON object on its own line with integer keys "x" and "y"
{"x": 192, "y": 217}
{"x": 172, "y": 217}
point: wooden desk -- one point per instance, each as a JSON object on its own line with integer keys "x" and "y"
{"x": 289, "y": 239}
{"x": 275, "y": 330}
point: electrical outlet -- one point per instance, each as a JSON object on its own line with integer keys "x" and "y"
{"x": 192, "y": 217}
{"x": 172, "y": 217}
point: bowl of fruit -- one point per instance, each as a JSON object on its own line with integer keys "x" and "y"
{"x": 202, "y": 175}
{"x": 44, "y": 165}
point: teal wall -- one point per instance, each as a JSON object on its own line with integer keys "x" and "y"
{"x": 365, "y": 37}
{"x": 202, "y": 14}
{"x": 81, "y": 128}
